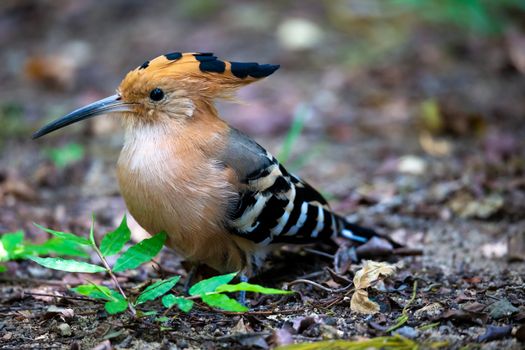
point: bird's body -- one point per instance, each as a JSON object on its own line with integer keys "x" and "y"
{"x": 223, "y": 200}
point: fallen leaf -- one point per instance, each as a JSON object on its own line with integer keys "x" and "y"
{"x": 370, "y": 273}
{"x": 463, "y": 316}
{"x": 501, "y": 308}
{"x": 360, "y": 303}
{"x": 54, "y": 310}
{"x": 473, "y": 307}
{"x": 375, "y": 247}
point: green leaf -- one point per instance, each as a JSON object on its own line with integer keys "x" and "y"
{"x": 67, "y": 265}
{"x": 65, "y": 235}
{"x": 3, "y": 268}
{"x": 301, "y": 114}
{"x": 57, "y": 246}
{"x": 157, "y": 289}
{"x": 248, "y": 287}
{"x": 223, "y": 302}
{"x": 114, "y": 307}
{"x": 94, "y": 291}
{"x": 11, "y": 241}
{"x": 140, "y": 253}
{"x": 147, "y": 313}
{"x": 209, "y": 285}
{"x": 162, "y": 319}
{"x": 11, "y": 245}
{"x": 114, "y": 241}
{"x": 182, "y": 303}
{"x": 92, "y": 231}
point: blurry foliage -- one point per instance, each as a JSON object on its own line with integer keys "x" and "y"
{"x": 479, "y": 16}
{"x": 65, "y": 155}
{"x": 302, "y": 114}
{"x": 12, "y": 121}
{"x": 395, "y": 342}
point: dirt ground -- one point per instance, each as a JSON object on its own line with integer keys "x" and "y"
{"x": 413, "y": 128}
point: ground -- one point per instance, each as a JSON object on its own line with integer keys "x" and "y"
{"x": 421, "y": 138}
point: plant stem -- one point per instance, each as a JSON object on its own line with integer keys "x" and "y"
{"x": 113, "y": 277}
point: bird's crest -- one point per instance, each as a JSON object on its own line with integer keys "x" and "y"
{"x": 199, "y": 73}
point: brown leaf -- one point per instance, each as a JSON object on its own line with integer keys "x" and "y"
{"x": 53, "y": 311}
{"x": 375, "y": 247}
{"x": 463, "y": 316}
{"x": 371, "y": 272}
{"x": 473, "y": 307}
{"x": 360, "y": 303}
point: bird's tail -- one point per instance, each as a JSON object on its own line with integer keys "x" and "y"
{"x": 361, "y": 235}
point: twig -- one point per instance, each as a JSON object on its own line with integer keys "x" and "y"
{"x": 228, "y": 337}
{"x": 319, "y": 286}
{"x": 108, "y": 269}
{"x": 59, "y": 296}
{"x": 318, "y": 252}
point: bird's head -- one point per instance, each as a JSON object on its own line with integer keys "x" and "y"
{"x": 171, "y": 86}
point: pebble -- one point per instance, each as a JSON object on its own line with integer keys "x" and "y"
{"x": 407, "y": 332}
{"x": 65, "y": 330}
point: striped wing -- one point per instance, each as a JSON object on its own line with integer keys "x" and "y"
{"x": 275, "y": 206}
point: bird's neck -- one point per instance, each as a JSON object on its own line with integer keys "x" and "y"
{"x": 203, "y": 130}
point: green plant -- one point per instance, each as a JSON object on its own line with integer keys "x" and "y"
{"x": 211, "y": 291}
{"x": 301, "y": 114}
{"x": 65, "y": 155}
{"x": 14, "y": 247}
{"x": 480, "y": 16}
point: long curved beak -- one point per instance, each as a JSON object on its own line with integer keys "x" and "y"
{"x": 109, "y": 104}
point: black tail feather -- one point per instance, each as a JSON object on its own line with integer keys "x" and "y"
{"x": 361, "y": 235}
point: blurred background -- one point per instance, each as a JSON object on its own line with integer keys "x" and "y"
{"x": 408, "y": 114}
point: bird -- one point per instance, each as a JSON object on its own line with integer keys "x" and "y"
{"x": 223, "y": 200}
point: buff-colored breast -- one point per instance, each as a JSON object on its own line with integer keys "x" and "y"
{"x": 171, "y": 184}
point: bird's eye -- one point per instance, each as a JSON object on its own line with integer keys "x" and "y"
{"x": 156, "y": 94}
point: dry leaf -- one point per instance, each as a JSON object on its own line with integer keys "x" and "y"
{"x": 371, "y": 272}
{"x": 364, "y": 278}
{"x": 360, "y": 303}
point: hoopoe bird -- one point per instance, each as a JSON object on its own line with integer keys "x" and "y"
{"x": 223, "y": 200}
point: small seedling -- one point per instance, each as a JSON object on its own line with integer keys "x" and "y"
{"x": 211, "y": 291}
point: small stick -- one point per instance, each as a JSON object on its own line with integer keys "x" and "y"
{"x": 317, "y": 285}
{"x": 59, "y": 296}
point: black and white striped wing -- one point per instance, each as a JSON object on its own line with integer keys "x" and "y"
{"x": 275, "y": 206}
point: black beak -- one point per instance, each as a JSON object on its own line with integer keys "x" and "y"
{"x": 107, "y": 105}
